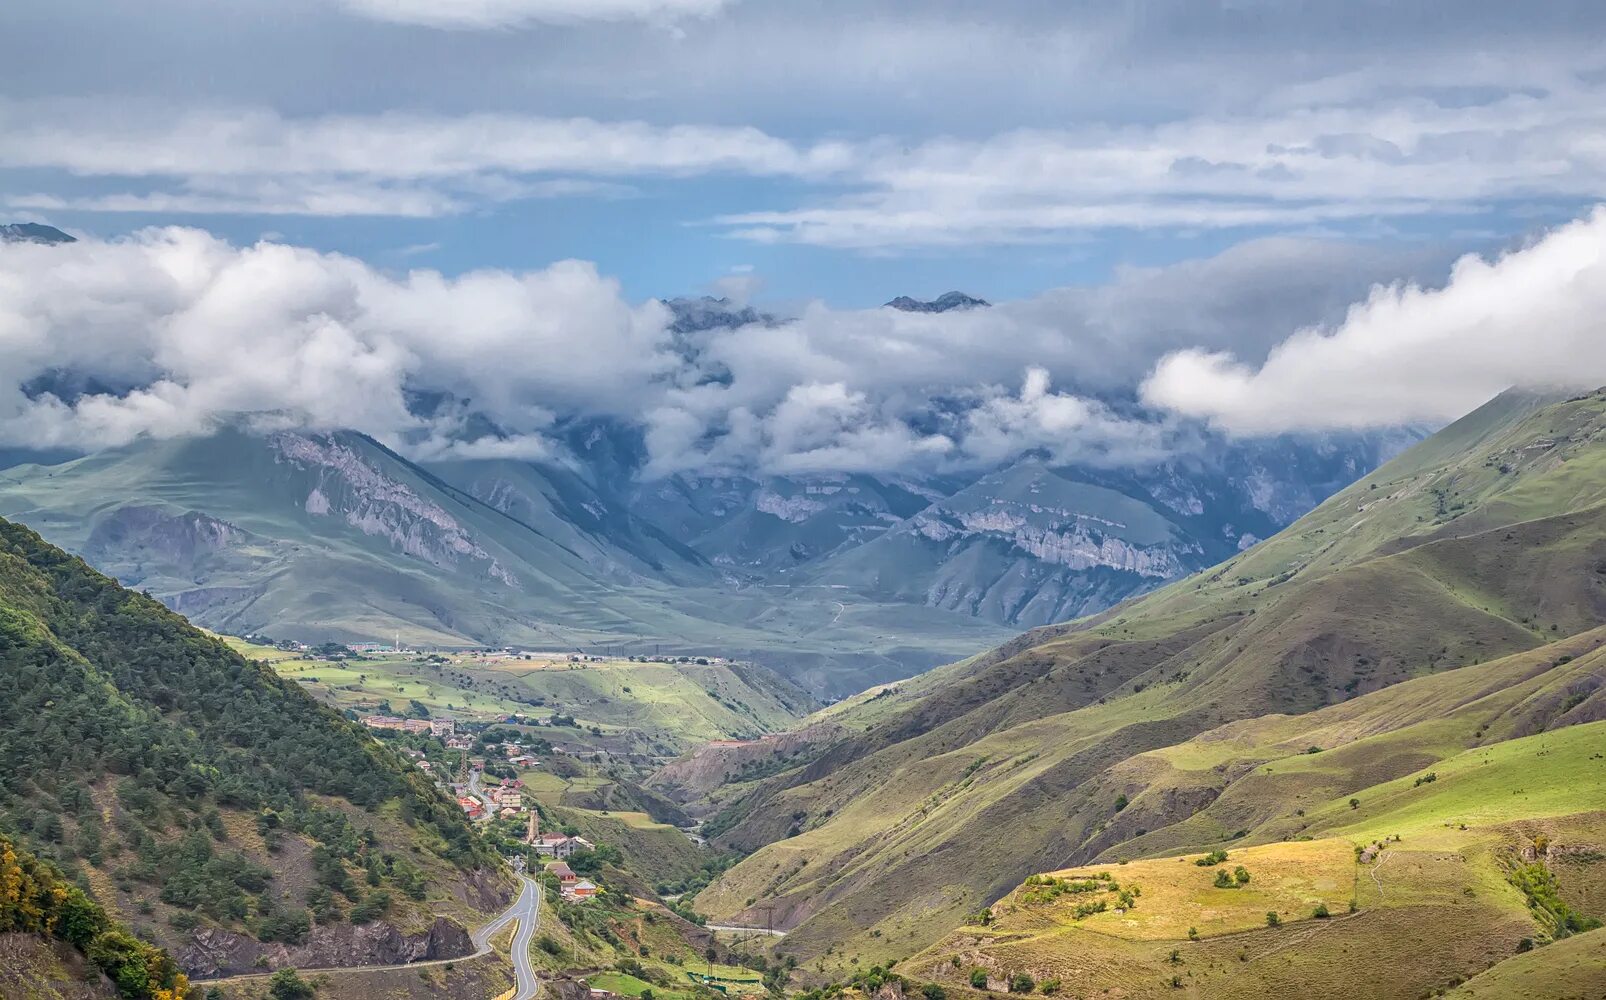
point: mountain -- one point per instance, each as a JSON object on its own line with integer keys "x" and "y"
{"x": 1462, "y": 581}
{"x": 332, "y": 537}
{"x": 214, "y": 807}
{"x": 33, "y": 232}
{"x": 942, "y": 303}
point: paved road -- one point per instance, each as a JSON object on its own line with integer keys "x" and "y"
{"x": 526, "y": 909}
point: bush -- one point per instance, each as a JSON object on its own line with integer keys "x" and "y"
{"x": 1224, "y": 881}
{"x": 373, "y": 906}
{"x": 286, "y": 985}
{"x": 1048, "y": 987}
{"x": 1321, "y": 911}
{"x": 978, "y": 978}
{"x": 549, "y": 944}
{"x": 931, "y": 991}
{"x": 1272, "y": 919}
{"x": 1240, "y": 875}
{"x": 1020, "y": 982}
{"x": 1213, "y": 858}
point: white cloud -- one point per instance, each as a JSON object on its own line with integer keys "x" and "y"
{"x": 1387, "y": 158}
{"x": 188, "y": 331}
{"x": 511, "y": 13}
{"x": 238, "y": 160}
{"x": 1272, "y": 169}
{"x": 1408, "y": 353}
{"x": 174, "y": 332}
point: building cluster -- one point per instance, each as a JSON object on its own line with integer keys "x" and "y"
{"x": 434, "y": 727}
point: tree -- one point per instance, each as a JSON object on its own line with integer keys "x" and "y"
{"x": 1354, "y": 803}
{"x": 287, "y": 985}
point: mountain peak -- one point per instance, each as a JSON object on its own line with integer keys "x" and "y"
{"x": 33, "y": 232}
{"x": 942, "y": 303}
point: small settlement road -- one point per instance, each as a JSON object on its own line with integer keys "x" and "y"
{"x": 526, "y": 909}
{"x": 733, "y": 929}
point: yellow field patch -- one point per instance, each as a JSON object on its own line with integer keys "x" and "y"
{"x": 1175, "y": 894}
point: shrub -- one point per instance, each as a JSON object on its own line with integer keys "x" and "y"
{"x": 1272, "y": 919}
{"x": 1193, "y": 933}
{"x": 1020, "y": 982}
{"x": 1048, "y": 987}
{"x": 1321, "y": 911}
{"x": 931, "y": 991}
{"x": 1354, "y": 803}
{"x": 286, "y": 985}
{"x": 1240, "y": 875}
{"x": 1213, "y": 858}
{"x": 372, "y": 907}
{"x": 978, "y": 978}
{"x": 1224, "y": 881}
{"x": 1120, "y": 802}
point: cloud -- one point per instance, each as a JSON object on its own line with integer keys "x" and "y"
{"x": 174, "y": 332}
{"x": 1409, "y": 353}
{"x": 1391, "y": 159}
{"x": 191, "y": 332}
{"x": 1269, "y": 168}
{"x": 512, "y": 13}
{"x": 239, "y": 160}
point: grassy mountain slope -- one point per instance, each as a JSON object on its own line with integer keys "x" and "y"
{"x": 639, "y": 707}
{"x": 1480, "y": 543}
{"x": 218, "y": 809}
{"x": 332, "y": 537}
{"x": 1430, "y": 879}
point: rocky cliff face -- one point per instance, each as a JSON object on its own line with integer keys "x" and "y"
{"x": 345, "y": 485}
{"x": 214, "y": 952}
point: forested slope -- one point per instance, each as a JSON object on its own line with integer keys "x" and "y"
{"x": 207, "y": 801}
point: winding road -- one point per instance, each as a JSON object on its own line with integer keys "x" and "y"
{"x": 526, "y": 910}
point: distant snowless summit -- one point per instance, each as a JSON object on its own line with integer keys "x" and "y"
{"x": 32, "y": 232}
{"x": 942, "y": 303}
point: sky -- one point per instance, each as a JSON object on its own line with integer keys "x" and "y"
{"x": 1229, "y": 215}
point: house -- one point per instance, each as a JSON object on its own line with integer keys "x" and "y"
{"x": 508, "y": 797}
{"x": 580, "y": 891}
{"x": 442, "y": 727}
{"x": 472, "y": 807}
{"x": 459, "y": 743}
{"x": 508, "y": 812}
{"x": 557, "y": 845}
{"x": 522, "y": 760}
{"x": 477, "y": 763}
{"x": 383, "y": 722}
{"x": 425, "y": 765}
{"x": 416, "y": 725}
{"x": 564, "y": 873}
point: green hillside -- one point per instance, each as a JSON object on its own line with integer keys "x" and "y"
{"x": 217, "y": 809}
{"x": 1112, "y": 738}
{"x": 625, "y": 706}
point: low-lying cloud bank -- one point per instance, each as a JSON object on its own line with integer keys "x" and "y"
{"x": 174, "y": 332}
{"x": 1534, "y": 316}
